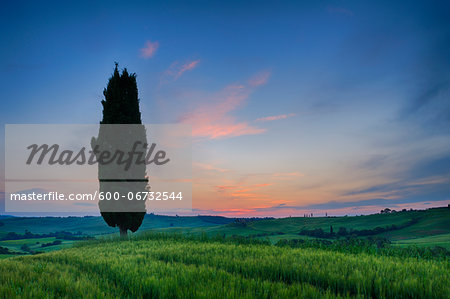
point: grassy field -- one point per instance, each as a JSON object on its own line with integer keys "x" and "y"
{"x": 436, "y": 240}
{"x": 5, "y": 256}
{"x": 156, "y": 266}
{"x": 216, "y": 257}
{"x": 96, "y": 226}
{"x": 35, "y": 244}
{"x": 90, "y": 226}
{"x": 431, "y": 227}
{"x": 432, "y": 222}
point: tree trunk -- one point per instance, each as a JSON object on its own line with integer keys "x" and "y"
{"x": 123, "y": 232}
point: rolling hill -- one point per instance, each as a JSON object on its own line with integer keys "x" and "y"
{"x": 420, "y": 227}
{"x": 173, "y": 266}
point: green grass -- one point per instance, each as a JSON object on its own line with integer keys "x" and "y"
{"x": 96, "y": 226}
{"x": 432, "y": 227}
{"x": 4, "y": 256}
{"x": 35, "y": 244}
{"x": 432, "y": 222}
{"x": 158, "y": 266}
{"x": 185, "y": 265}
{"x": 442, "y": 240}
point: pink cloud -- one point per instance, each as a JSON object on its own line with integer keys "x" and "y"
{"x": 175, "y": 70}
{"x": 274, "y": 117}
{"x": 259, "y": 79}
{"x": 249, "y": 192}
{"x": 209, "y": 167}
{"x": 220, "y": 130}
{"x": 187, "y": 67}
{"x": 149, "y": 50}
{"x": 213, "y": 119}
{"x": 235, "y": 212}
{"x": 287, "y": 175}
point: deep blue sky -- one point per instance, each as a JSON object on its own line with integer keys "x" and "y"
{"x": 293, "y": 104}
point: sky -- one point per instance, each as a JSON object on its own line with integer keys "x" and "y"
{"x": 337, "y": 107}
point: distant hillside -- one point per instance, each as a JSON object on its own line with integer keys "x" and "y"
{"x": 421, "y": 227}
{"x": 407, "y": 228}
{"x": 428, "y": 222}
{"x": 91, "y": 225}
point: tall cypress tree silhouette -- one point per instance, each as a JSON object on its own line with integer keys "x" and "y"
{"x": 121, "y": 106}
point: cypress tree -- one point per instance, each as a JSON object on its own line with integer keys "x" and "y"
{"x": 121, "y": 106}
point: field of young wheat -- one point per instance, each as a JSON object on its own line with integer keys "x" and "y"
{"x": 170, "y": 267}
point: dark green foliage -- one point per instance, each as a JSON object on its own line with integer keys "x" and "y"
{"x": 342, "y": 232}
{"x": 56, "y": 242}
{"x": 121, "y": 103}
{"x": 121, "y": 106}
{"x": 4, "y": 250}
{"x": 240, "y": 222}
{"x": 124, "y": 220}
{"x": 215, "y": 219}
{"x": 25, "y": 247}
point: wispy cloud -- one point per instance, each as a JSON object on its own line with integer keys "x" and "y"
{"x": 233, "y": 212}
{"x": 275, "y": 117}
{"x": 430, "y": 109}
{"x": 205, "y": 166}
{"x": 331, "y": 208}
{"x": 406, "y": 189}
{"x": 188, "y": 66}
{"x": 149, "y": 50}
{"x": 176, "y": 69}
{"x": 243, "y": 191}
{"x": 259, "y": 79}
{"x": 213, "y": 119}
{"x": 287, "y": 175}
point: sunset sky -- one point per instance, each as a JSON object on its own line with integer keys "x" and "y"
{"x": 327, "y": 106}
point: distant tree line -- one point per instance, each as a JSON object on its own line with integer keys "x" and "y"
{"x": 240, "y": 222}
{"x": 371, "y": 245}
{"x": 343, "y": 232}
{"x": 5, "y": 250}
{"x": 243, "y": 222}
{"x": 59, "y": 235}
{"x": 267, "y": 234}
{"x": 56, "y": 242}
{"x": 389, "y": 211}
{"x": 26, "y": 248}
{"x": 215, "y": 219}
